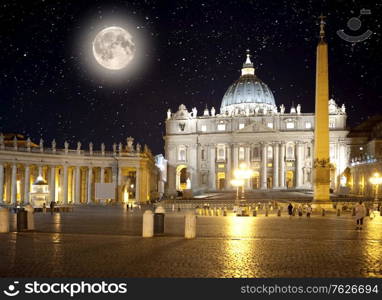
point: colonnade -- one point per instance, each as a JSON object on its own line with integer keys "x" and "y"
{"x": 276, "y": 166}
{"x": 70, "y": 184}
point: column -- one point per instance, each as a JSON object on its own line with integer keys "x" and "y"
{"x": 90, "y": 178}
{"x": 228, "y": 167}
{"x": 27, "y": 183}
{"x": 52, "y": 185}
{"x": 65, "y": 185}
{"x": 213, "y": 168}
{"x": 171, "y": 170}
{"x": 299, "y": 160}
{"x": 276, "y": 167}
{"x": 264, "y": 159}
{"x": 73, "y": 186}
{"x": 119, "y": 187}
{"x": 282, "y": 165}
{"x": 235, "y": 156}
{"x": 193, "y": 166}
{"x": 14, "y": 184}
{"x": 102, "y": 175}
{"x": 119, "y": 176}
{"x": 248, "y": 163}
{"x": 137, "y": 184}
{"x": 77, "y": 185}
{"x": 1, "y": 184}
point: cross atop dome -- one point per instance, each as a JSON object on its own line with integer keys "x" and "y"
{"x": 248, "y": 68}
{"x": 248, "y": 60}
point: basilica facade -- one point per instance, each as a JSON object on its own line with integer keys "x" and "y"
{"x": 276, "y": 143}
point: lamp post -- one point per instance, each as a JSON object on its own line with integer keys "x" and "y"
{"x": 237, "y": 183}
{"x": 243, "y": 173}
{"x": 376, "y": 180}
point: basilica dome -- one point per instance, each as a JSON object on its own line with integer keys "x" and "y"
{"x": 248, "y": 94}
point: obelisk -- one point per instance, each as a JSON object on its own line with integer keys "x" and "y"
{"x": 321, "y": 169}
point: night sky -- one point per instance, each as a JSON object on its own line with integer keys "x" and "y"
{"x": 193, "y": 51}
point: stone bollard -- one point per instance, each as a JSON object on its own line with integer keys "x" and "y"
{"x": 21, "y": 219}
{"x": 173, "y": 207}
{"x": 279, "y": 212}
{"x": 323, "y": 212}
{"x": 159, "y": 215}
{"x": 254, "y": 212}
{"x": 190, "y": 225}
{"x": 148, "y": 224}
{"x": 4, "y": 220}
{"x": 30, "y": 217}
{"x": 338, "y": 212}
{"x": 225, "y": 212}
{"x": 266, "y": 212}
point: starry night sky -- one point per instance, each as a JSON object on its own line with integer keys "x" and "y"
{"x": 194, "y": 51}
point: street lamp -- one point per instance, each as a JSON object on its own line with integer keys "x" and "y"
{"x": 243, "y": 173}
{"x": 237, "y": 183}
{"x": 376, "y": 180}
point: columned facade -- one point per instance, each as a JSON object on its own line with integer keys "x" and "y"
{"x": 72, "y": 176}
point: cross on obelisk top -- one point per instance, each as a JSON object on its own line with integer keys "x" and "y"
{"x": 322, "y": 26}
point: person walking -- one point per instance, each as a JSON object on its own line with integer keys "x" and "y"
{"x": 299, "y": 210}
{"x": 52, "y": 207}
{"x": 290, "y": 209}
{"x": 308, "y": 211}
{"x": 360, "y": 213}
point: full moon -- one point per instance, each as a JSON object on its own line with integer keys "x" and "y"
{"x": 114, "y": 48}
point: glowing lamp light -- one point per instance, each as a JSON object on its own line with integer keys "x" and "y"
{"x": 237, "y": 182}
{"x": 125, "y": 196}
{"x": 241, "y": 174}
{"x": 376, "y": 180}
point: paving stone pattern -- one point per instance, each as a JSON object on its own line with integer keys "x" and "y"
{"x": 106, "y": 242}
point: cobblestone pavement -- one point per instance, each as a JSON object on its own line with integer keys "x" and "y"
{"x": 106, "y": 242}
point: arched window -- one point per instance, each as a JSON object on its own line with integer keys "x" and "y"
{"x": 290, "y": 151}
{"x": 256, "y": 152}
{"x": 270, "y": 152}
{"x": 221, "y": 152}
{"x": 241, "y": 153}
{"x": 182, "y": 153}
